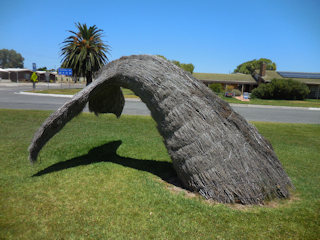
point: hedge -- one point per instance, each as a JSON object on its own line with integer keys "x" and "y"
{"x": 281, "y": 89}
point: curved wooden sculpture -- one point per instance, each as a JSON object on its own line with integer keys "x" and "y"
{"x": 214, "y": 150}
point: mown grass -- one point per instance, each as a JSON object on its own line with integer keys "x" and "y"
{"x": 64, "y": 91}
{"x": 82, "y": 189}
{"x": 314, "y": 103}
{"x": 71, "y": 91}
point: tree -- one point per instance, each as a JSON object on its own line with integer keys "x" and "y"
{"x": 187, "y": 67}
{"x": 214, "y": 150}
{"x": 84, "y": 51}
{"x": 42, "y": 69}
{"x": 250, "y": 66}
{"x": 216, "y": 87}
{"x": 10, "y": 59}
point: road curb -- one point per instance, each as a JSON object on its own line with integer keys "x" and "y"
{"x": 64, "y": 95}
{"x": 273, "y": 107}
{"x": 45, "y": 94}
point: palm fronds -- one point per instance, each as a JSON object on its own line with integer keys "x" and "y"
{"x": 84, "y": 51}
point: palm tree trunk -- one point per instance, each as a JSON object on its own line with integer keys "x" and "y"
{"x": 89, "y": 78}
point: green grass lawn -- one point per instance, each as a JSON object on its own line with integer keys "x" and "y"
{"x": 83, "y": 188}
{"x": 71, "y": 91}
{"x": 314, "y": 103}
{"x": 64, "y": 91}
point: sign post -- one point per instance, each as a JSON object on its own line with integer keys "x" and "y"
{"x": 34, "y": 67}
{"x": 34, "y": 79}
{"x": 47, "y": 74}
{"x": 66, "y": 72}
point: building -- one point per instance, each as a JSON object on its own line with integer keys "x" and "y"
{"x": 22, "y": 74}
{"x": 44, "y": 76}
{"x": 4, "y": 75}
{"x": 247, "y": 82}
{"x": 312, "y": 80}
{"x": 243, "y": 82}
{"x": 15, "y": 74}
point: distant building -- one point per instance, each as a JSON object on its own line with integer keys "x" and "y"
{"x": 15, "y": 74}
{"x": 243, "y": 82}
{"x": 312, "y": 80}
{"x": 42, "y": 76}
{"x": 22, "y": 74}
{"x": 4, "y": 74}
{"x": 247, "y": 82}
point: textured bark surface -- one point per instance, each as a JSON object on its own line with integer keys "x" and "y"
{"x": 214, "y": 150}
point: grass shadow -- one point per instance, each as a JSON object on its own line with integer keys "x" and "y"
{"x": 108, "y": 153}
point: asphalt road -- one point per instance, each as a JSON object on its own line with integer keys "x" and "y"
{"x": 11, "y": 99}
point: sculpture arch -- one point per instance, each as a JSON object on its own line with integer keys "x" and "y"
{"x": 214, "y": 150}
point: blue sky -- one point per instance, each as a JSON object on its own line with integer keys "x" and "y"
{"x": 215, "y": 36}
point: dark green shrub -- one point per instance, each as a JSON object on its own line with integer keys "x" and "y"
{"x": 216, "y": 87}
{"x": 282, "y": 89}
{"x": 264, "y": 91}
{"x": 236, "y": 92}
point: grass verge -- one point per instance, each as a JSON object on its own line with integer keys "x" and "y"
{"x": 314, "y": 103}
{"x": 103, "y": 178}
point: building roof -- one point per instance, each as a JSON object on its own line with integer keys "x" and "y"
{"x": 16, "y": 70}
{"x": 299, "y": 75}
{"x": 41, "y": 72}
{"x": 234, "y": 78}
{"x": 274, "y": 74}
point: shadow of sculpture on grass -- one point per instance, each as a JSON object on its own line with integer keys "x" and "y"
{"x": 108, "y": 153}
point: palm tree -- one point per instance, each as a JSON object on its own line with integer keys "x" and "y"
{"x": 84, "y": 51}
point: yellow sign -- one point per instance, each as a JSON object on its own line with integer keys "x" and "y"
{"x": 34, "y": 77}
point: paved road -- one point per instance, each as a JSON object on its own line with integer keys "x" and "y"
{"x": 278, "y": 114}
{"x": 9, "y": 99}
